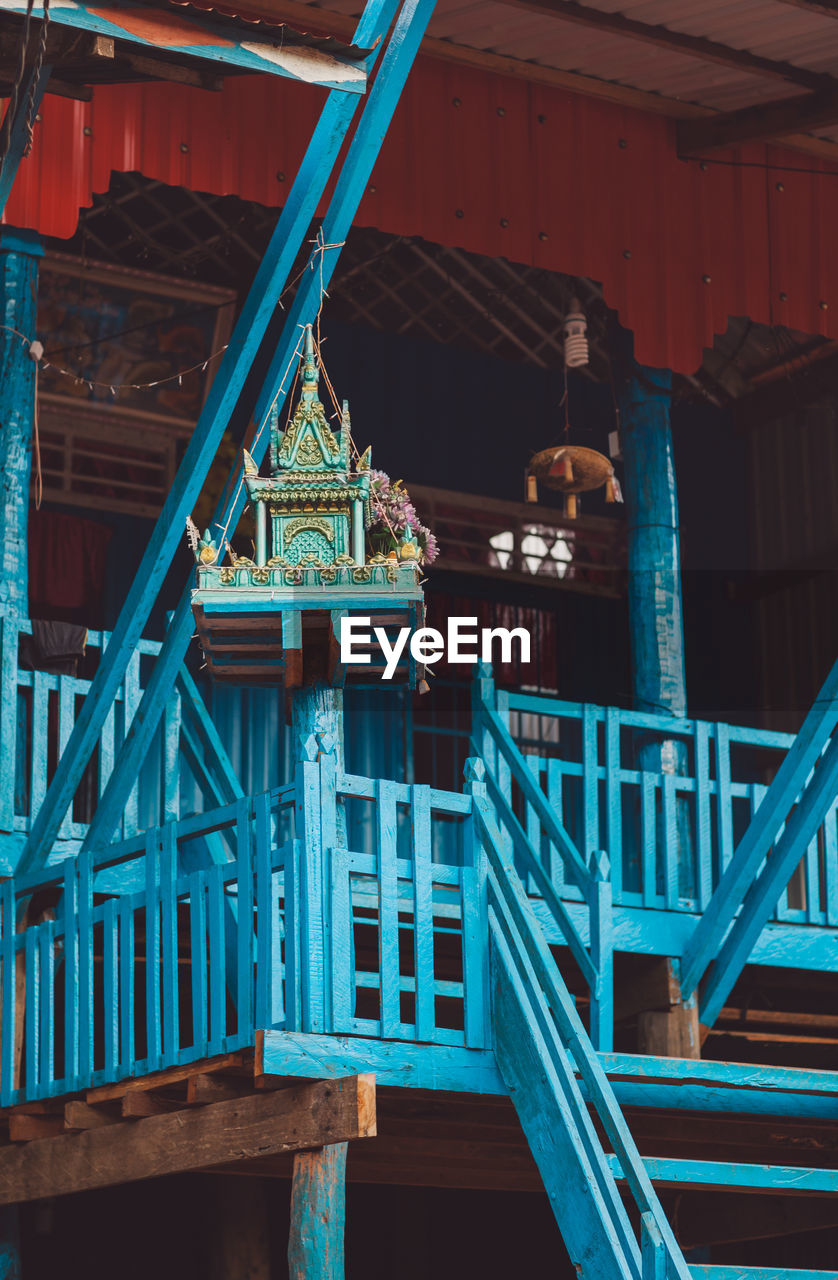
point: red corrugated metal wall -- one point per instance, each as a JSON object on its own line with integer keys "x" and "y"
{"x": 533, "y": 174}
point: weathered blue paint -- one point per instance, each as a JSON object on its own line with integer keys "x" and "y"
{"x": 20, "y": 254}
{"x": 742, "y": 1177}
{"x": 815, "y": 802}
{"x": 807, "y": 779}
{"x": 654, "y": 593}
{"x": 399, "y": 1063}
{"x": 318, "y": 1214}
{"x": 741, "y": 1271}
{"x": 296, "y": 216}
{"x": 537, "y": 1034}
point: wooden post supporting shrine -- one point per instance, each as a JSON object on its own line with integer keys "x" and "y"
{"x": 657, "y": 637}
{"x": 20, "y": 254}
{"x": 318, "y": 1214}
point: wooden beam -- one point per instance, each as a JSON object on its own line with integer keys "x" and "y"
{"x": 761, "y": 123}
{"x": 663, "y": 37}
{"x": 80, "y": 1115}
{"x": 137, "y": 1105}
{"x": 202, "y": 1089}
{"x": 158, "y": 69}
{"x": 223, "y": 1133}
{"x": 318, "y": 1214}
{"x": 25, "y": 1128}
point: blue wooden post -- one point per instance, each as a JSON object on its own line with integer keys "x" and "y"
{"x": 655, "y": 616}
{"x": 317, "y": 732}
{"x": 654, "y": 594}
{"x": 318, "y": 1214}
{"x": 20, "y": 255}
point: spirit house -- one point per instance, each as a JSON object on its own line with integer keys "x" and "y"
{"x": 279, "y": 615}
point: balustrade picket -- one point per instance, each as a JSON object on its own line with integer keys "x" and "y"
{"x": 830, "y": 865}
{"x": 703, "y": 830}
{"x": 423, "y": 922}
{"x": 244, "y": 916}
{"x": 46, "y": 979}
{"x": 724, "y": 804}
{"x": 217, "y": 959}
{"x": 197, "y": 883}
{"x": 152, "y": 951}
{"x": 31, "y": 1024}
{"x": 170, "y": 1017}
{"x": 342, "y": 966}
{"x": 127, "y": 961}
{"x": 110, "y": 986}
{"x": 388, "y": 909}
{"x": 70, "y": 920}
{"x": 614, "y": 800}
{"x": 7, "y": 1048}
{"x": 86, "y": 967}
{"x": 266, "y": 907}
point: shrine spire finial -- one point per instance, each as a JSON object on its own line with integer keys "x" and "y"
{"x": 310, "y": 373}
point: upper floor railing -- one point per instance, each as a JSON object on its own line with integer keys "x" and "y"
{"x": 668, "y": 799}
{"x": 38, "y": 710}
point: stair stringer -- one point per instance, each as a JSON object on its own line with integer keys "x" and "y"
{"x": 583, "y": 1194}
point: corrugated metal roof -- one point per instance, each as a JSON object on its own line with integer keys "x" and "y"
{"x": 773, "y": 29}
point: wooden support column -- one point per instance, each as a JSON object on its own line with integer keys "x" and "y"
{"x": 667, "y": 1025}
{"x": 657, "y": 638}
{"x": 318, "y": 1214}
{"x": 20, "y": 254}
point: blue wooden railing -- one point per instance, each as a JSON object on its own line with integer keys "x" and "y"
{"x": 177, "y": 944}
{"x": 185, "y": 767}
{"x": 669, "y": 835}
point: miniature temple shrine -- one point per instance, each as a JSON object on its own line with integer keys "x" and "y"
{"x": 321, "y": 959}
{"x": 319, "y": 571}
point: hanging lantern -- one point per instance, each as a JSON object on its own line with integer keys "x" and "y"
{"x": 572, "y": 469}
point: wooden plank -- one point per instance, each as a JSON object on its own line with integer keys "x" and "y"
{"x": 80, "y": 1115}
{"x": 162, "y": 1079}
{"x": 26, "y": 1128}
{"x": 736, "y": 1177}
{"x": 265, "y": 1124}
{"x": 281, "y": 1054}
{"x": 205, "y": 1088}
{"x": 138, "y": 1104}
{"x": 318, "y": 1214}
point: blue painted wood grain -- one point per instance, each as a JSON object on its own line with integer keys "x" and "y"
{"x": 318, "y": 1214}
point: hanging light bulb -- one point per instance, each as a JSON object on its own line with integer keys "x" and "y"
{"x": 575, "y": 336}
